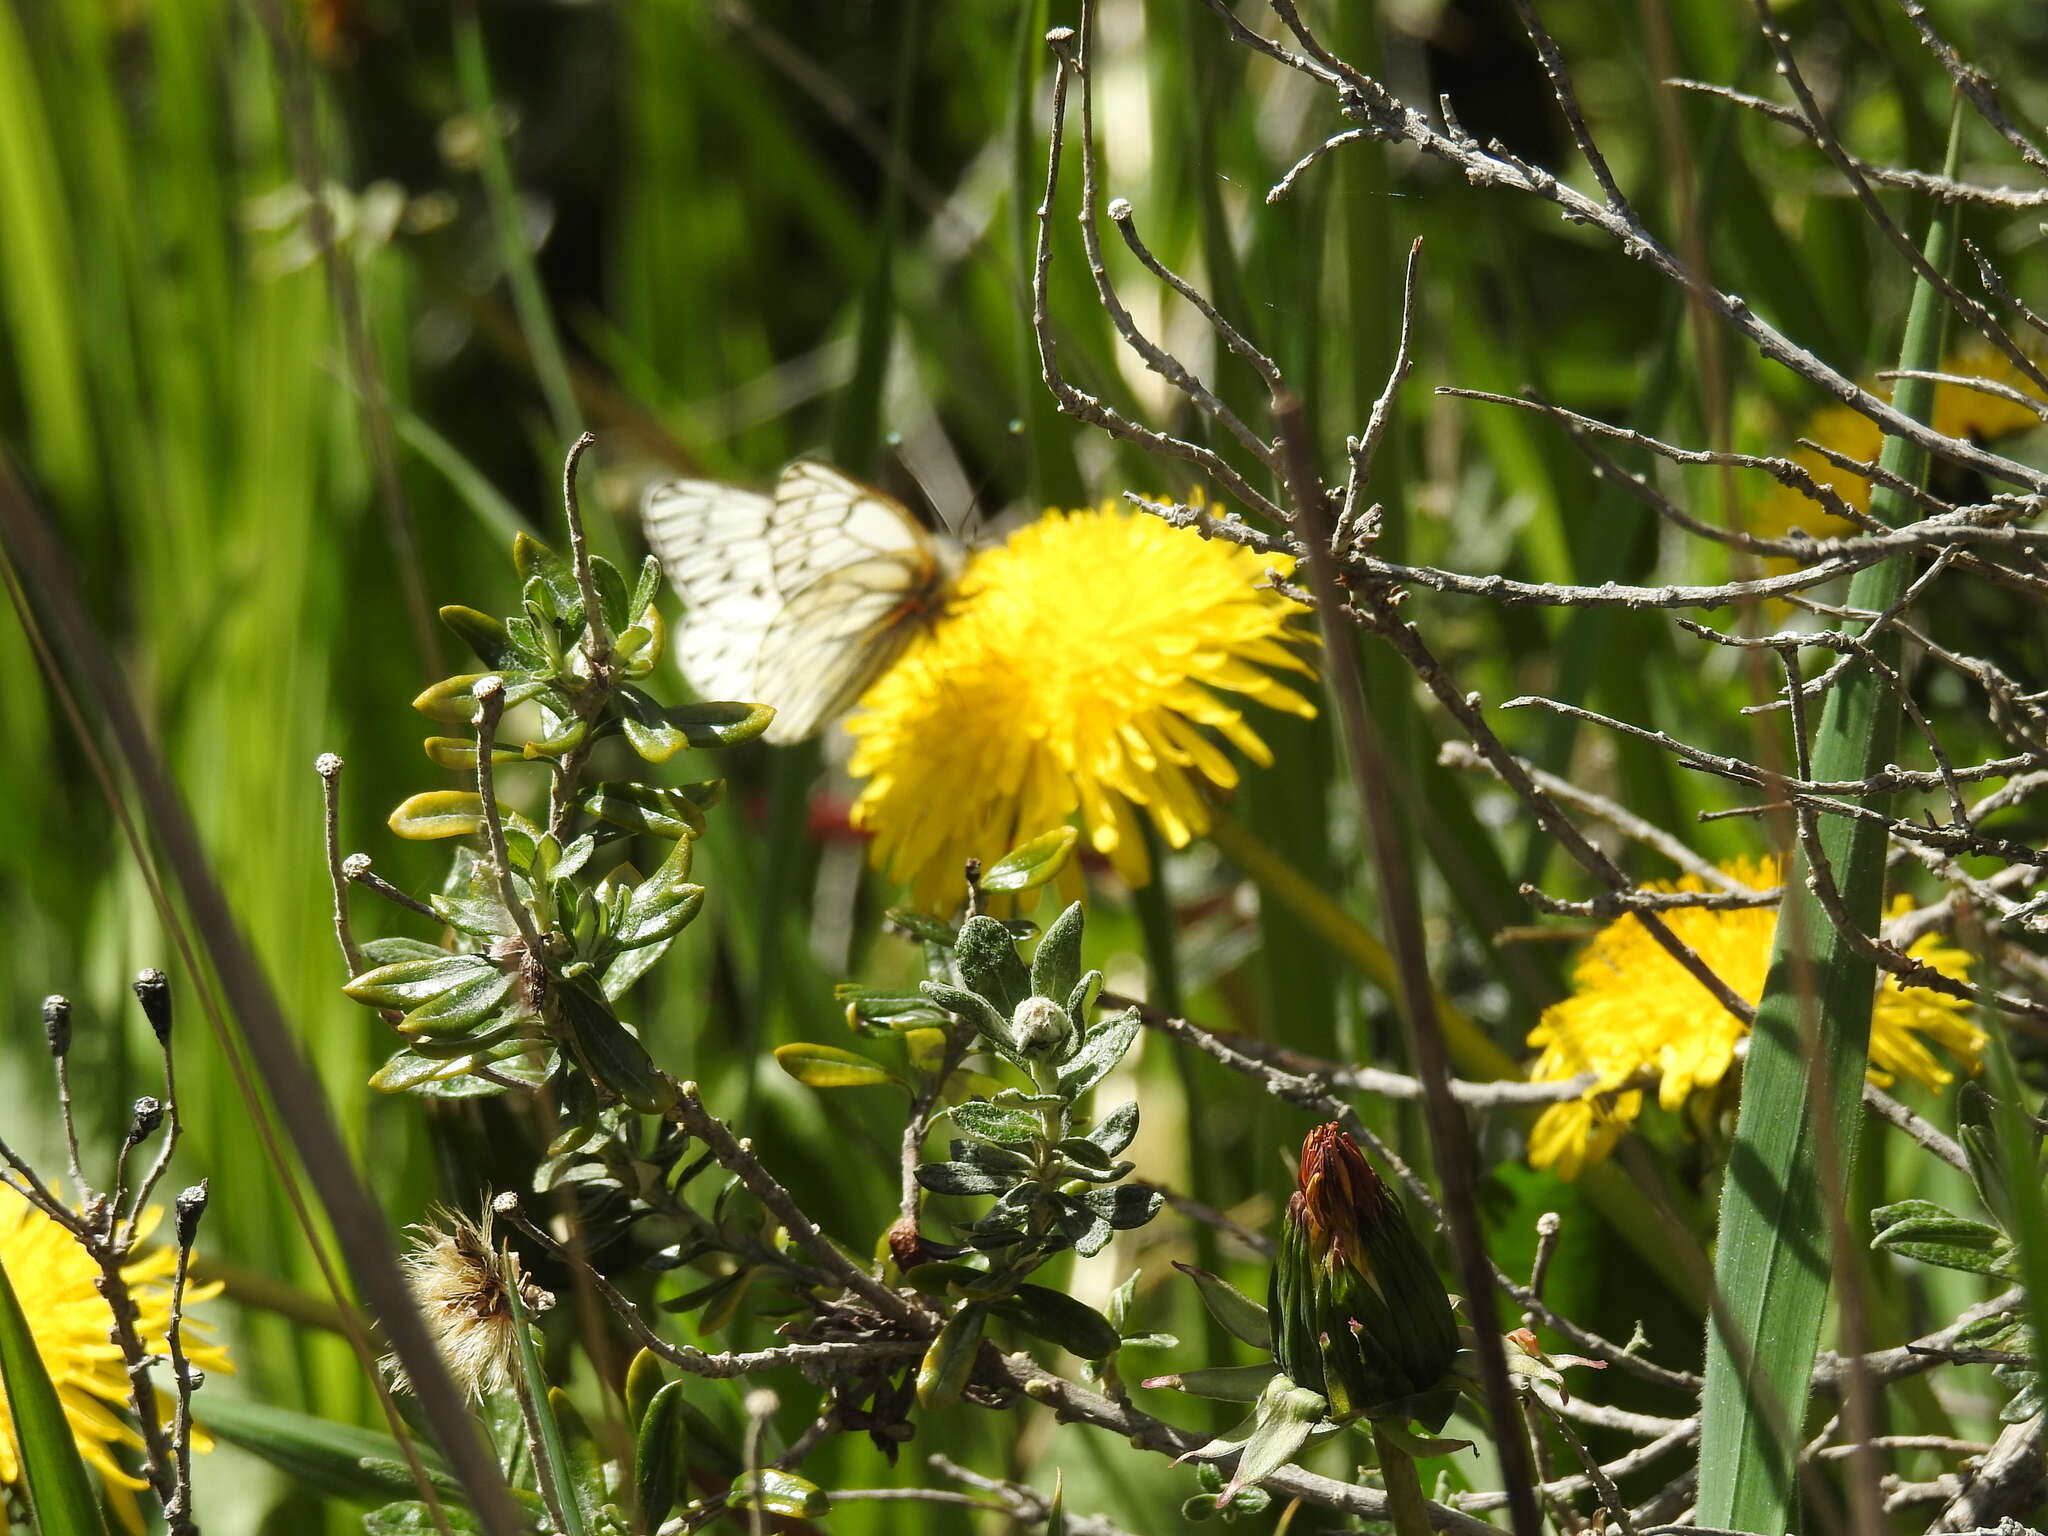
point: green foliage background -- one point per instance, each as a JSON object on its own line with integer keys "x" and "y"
{"x": 736, "y": 277}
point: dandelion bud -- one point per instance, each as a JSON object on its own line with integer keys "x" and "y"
{"x": 1359, "y": 1312}
{"x": 153, "y": 991}
{"x": 1039, "y": 1025}
{"x": 149, "y": 1114}
{"x": 191, "y": 1206}
{"x": 57, "y": 1024}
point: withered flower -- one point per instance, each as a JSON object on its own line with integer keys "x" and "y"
{"x": 461, "y": 1282}
{"x": 1359, "y": 1313}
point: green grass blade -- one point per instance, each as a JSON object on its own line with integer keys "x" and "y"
{"x": 553, "y": 1455}
{"x": 60, "y": 1495}
{"x": 1800, "y": 1105}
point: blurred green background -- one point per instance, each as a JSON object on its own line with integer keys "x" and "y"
{"x": 721, "y": 234}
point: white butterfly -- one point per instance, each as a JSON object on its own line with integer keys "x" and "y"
{"x": 800, "y": 599}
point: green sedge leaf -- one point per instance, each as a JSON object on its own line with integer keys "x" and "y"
{"x": 60, "y": 1496}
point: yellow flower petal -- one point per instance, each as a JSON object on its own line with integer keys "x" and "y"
{"x": 1635, "y": 1013}
{"x": 1091, "y": 665}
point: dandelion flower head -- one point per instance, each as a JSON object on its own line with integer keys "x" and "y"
{"x": 1640, "y": 1022}
{"x": 52, "y": 1277}
{"x": 1093, "y": 665}
{"x": 1968, "y": 414}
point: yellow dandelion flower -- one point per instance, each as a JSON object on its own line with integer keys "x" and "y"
{"x": 53, "y": 1278}
{"x": 1641, "y": 1022}
{"x": 1958, "y": 412}
{"x": 1085, "y": 668}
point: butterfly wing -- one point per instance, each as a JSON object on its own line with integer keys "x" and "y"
{"x": 799, "y": 600}
{"x": 712, "y": 541}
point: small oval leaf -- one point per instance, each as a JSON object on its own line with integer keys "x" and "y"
{"x": 827, "y": 1066}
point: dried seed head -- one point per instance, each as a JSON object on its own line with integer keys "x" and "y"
{"x": 191, "y": 1206}
{"x": 461, "y": 1282}
{"x": 149, "y": 1114}
{"x": 153, "y": 991}
{"x": 57, "y": 1024}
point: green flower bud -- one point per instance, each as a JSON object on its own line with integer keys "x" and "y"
{"x": 1359, "y": 1313}
{"x": 1039, "y": 1026}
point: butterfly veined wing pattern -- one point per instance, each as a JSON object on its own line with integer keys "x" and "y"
{"x": 800, "y": 599}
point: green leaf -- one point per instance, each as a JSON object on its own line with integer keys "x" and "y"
{"x": 1225, "y": 1383}
{"x": 609, "y": 1053}
{"x": 480, "y": 632}
{"x": 535, "y": 561}
{"x": 1287, "y": 1414}
{"x": 1101, "y": 1049}
{"x": 663, "y": 904}
{"x": 408, "y": 983}
{"x": 646, "y": 587}
{"x": 1125, "y": 1206}
{"x": 719, "y": 723}
{"x": 949, "y": 1362}
{"x": 648, "y": 808}
{"x": 1977, "y": 1130}
{"x": 996, "y": 1122}
{"x": 827, "y": 1066}
{"x": 438, "y": 813}
{"x": 1116, "y": 1130}
{"x": 1060, "y": 1319}
{"x": 60, "y": 1496}
{"x": 412, "y": 1517}
{"x": 927, "y": 929}
{"x": 1966, "y": 1245}
{"x": 1237, "y": 1314}
{"x": 987, "y": 958}
{"x": 779, "y": 1493}
{"x": 962, "y": 1179}
{"x": 970, "y": 1006}
{"x": 1056, "y": 963}
{"x": 458, "y": 753}
{"x": 644, "y": 1378}
{"x": 1030, "y": 866}
{"x": 389, "y": 951}
{"x": 462, "y": 1007}
{"x": 659, "y": 1454}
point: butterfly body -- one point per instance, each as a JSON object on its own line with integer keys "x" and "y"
{"x": 799, "y": 599}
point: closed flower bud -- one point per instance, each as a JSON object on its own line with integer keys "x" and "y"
{"x": 153, "y": 991}
{"x": 57, "y": 1024}
{"x": 1040, "y": 1025}
{"x": 1359, "y": 1312}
